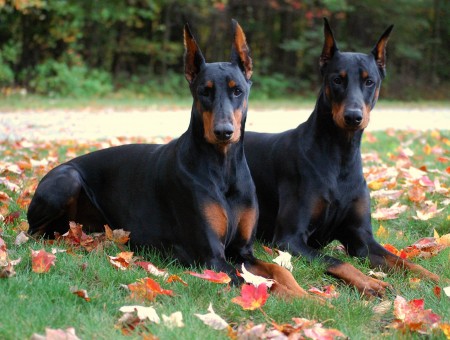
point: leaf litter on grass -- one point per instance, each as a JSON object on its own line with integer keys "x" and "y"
{"x": 403, "y": 187}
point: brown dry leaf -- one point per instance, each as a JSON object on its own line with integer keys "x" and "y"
{"x": 82, "y": 293}
{"x": 118, "y": 236}
{"x": 122, "y": 261}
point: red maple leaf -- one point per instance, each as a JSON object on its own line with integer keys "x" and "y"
{"x": 147, "y": 289}
{"x": 252, "y": 297}
{"x": 211, "y": 275}
{"x": 41, "y": 261}
{"x": 411, "y": 316}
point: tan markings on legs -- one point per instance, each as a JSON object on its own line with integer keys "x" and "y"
{"x": 247, "y": 223}
{"x": 396, "y": 262}
{"x": 217, "y": 218}
{"x": 286, "y": 286}
{"x": 352, "y": 276}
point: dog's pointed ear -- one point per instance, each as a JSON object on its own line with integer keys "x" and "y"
{"x": 193, "y": 57}
{"x": 240, "y": 52}
{"x": 329, "y": 45}
{"x": 379, "y": 51}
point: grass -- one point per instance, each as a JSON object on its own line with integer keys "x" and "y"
{"x": 30, "y": 302}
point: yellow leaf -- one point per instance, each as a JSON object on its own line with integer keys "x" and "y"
{"x": 382, "y": 232}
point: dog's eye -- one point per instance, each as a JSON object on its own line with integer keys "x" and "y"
{"x": 337, "y": 81}
{"x": 237, "y": 91}
{"x": 205, "y": 92}
{"x": 369, "y": 82}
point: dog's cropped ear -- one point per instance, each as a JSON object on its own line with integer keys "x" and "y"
{"x": 379, "y": 51}
{"x": 240, "y": 52}
{"x": 193, "y": 57}
{"x": 329, "y": 45}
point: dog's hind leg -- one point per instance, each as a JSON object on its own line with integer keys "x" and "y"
{"x": 58, "y": 199}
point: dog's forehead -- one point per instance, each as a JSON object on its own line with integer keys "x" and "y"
{"x": 352, "y": 61}
{"x": 223, "y": 72}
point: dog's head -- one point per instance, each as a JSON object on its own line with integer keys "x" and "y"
{"x": 220, "y": 90}
{"x": 352, "y": 81}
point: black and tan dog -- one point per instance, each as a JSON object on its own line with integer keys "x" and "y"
{"x": 194, "y": 196}
{"x": 309, "y": 180}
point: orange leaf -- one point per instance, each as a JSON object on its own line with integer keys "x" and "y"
{"x": 416, "y": 193}
{"x": 176, "y": 278}
{"x": 122, "y": 260}
{"x": 147, "y": 289}
{"x": 446, "y": 329}
{"x": 252, "y": 297}
{"x": 41, "y": 261}
{"x": 268, "y": 250}
{"x": 211, "y": 275}
{"x": 411, "y": 315}
{"x": 118, "y": 236}
{"x": 82, "y": 293}
{"x": 326, "y": 291}
{"x": 319, "y": 333}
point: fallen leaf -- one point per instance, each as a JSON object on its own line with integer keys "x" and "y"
{"x": 212, "y": 276}
{"x": 82, "y": 293}
{"x": 147, "y": 289}
{"x": 142, "y": 312}
{"x": 446, "y": 329}
{"x": 41, "y": 261}
{"x": 377, "y": 275}
{"x": 382, "y": 232}
{"x": 411, "y": 316}
{"x": 56, "y": 334}
{"x": 317, "y": 332}
{"x": 327, "y": 292}
{"x": 284, "y": 260}
{"x": 268, "y": 250}
{"x": 252, "y": 297}
{"x": 21, "y": 238}
{"x": 176, "y": 278}
{"x": 174, "y": 320}
{"x": 152, "y": 269}
{"x": 122, "y": 261}
{"x": 447, "y": 291}
{"x": 437, "y": 291}
{"x": 428, "y": 212}
{"x": 213, "y": 320}
{"x": 389, "y": 213}
{"x": 118, "y": 236}
{"x": 255, "y": 279}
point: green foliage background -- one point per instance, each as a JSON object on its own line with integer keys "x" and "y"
{"x": 82, "y": 48}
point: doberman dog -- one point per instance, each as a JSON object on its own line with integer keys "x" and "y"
{"x": 309, "y": 180}
{"x": 193, "y": 196}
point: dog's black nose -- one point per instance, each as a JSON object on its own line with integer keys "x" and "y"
{"x": 353, "y": 118}
{"x": 224, "y": 132}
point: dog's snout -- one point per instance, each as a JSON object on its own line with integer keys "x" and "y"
{"x": 353, "y": 117}
{"x": 224, "y": 131}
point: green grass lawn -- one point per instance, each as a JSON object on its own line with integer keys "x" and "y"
{"x": 31, "y": 302}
